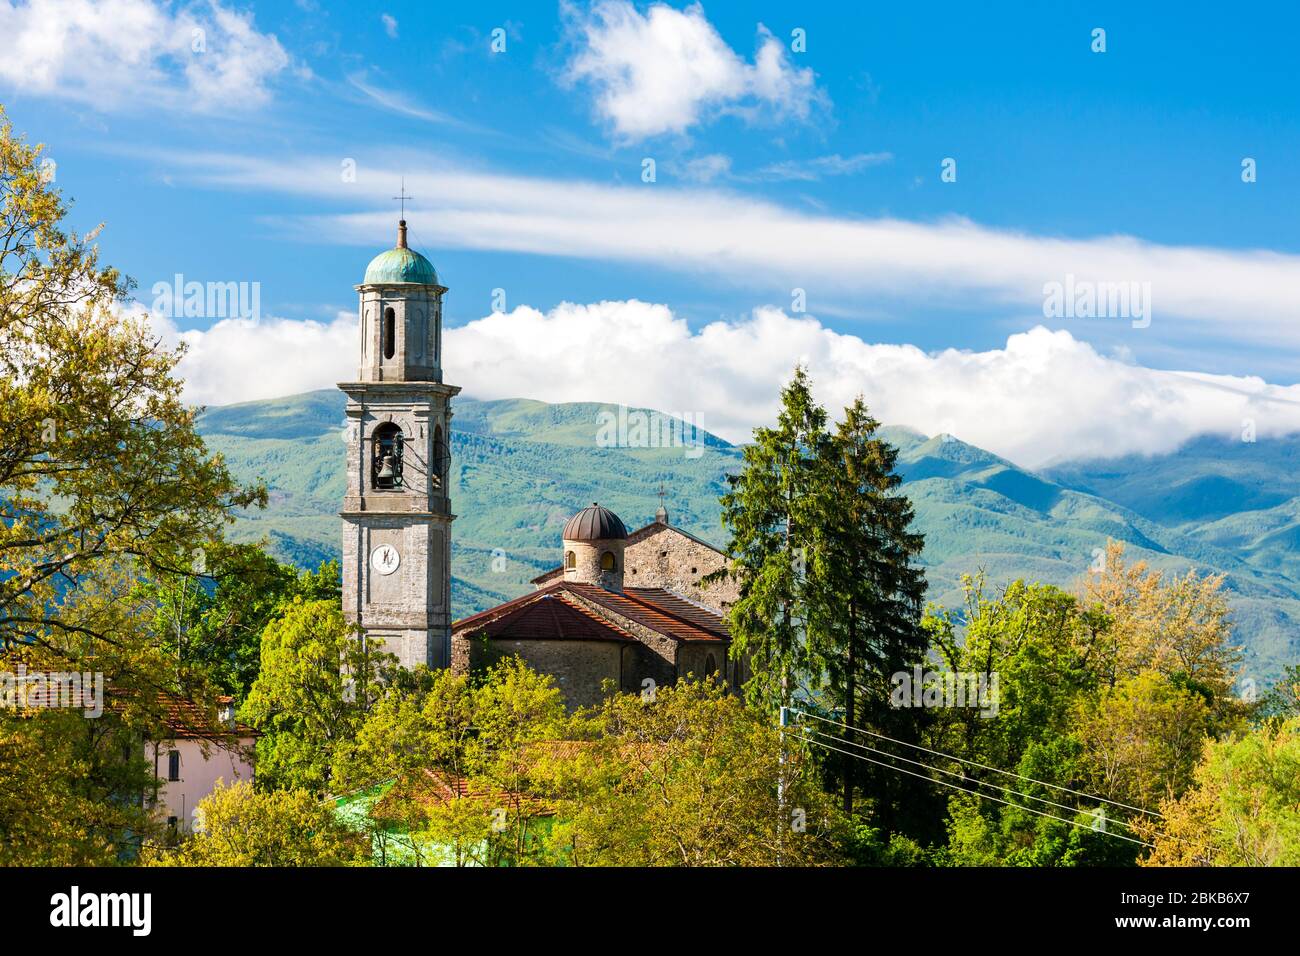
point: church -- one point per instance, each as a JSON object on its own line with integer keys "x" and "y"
{"x": 628, "y": 610}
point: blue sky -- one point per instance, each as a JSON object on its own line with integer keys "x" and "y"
{"x": 776, "y": 169}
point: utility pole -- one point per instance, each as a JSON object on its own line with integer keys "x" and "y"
{"x": 783, "y": 720}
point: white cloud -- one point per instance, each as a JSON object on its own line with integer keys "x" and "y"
{"x": 666, "y": 70}
{"x": 138, "y": 53}
{"x": 390, "y": 25}
{"x": 810, "y": 170}
{"x": 240, "y": 360}
{"x": 1244, "y": 296}
{"x": 705, "y": 169}
{"x": 1044, "y": 396}
{"x": 397, "y": 101}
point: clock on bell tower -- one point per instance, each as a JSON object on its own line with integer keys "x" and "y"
{"x": 396, "y": 510}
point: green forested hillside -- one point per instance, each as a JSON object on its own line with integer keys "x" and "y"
{"x": 521, "y": 467}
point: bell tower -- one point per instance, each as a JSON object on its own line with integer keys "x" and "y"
{"x": 396, "y": 510}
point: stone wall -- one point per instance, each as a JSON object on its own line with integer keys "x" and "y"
{"x": 586, "y": 563}
{"x": 579, "y": 668}
{"x": 667, "y": 558}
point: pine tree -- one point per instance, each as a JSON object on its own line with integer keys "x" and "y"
{"x": 866, "y": 591}
{"x": 769, "y": 511}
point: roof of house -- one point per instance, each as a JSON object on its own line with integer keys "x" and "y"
{"x": 659, "y": 610}
{"x": 180, "y": 717}
{"x": 568, "y": 610}
{"x": 549, "y": 614}
{"x": 185, "y": 719}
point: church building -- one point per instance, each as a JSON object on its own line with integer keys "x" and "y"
{"x": 629, "y": 611}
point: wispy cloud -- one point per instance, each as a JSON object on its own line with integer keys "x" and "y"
{"x": 396, "y": 101}
{"x": 390, "y": 25}
{"x": 811, "y": 170}
{"x": 1241, "y": 295}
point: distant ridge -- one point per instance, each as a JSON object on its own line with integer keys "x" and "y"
{"x": 521, "y": 467}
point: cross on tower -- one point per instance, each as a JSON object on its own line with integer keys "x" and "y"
{"x": 662, "y": 494}
{"x": 403, "y": 196}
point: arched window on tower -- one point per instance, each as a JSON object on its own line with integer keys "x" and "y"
{"x": 570, "y": 560}
{"x": 607, "y": 562}
{"x": 386, "y": 457}
{"x": 441, "y": 460}
{"x": 710, "y": 665}
{"x": 390, "y": 333}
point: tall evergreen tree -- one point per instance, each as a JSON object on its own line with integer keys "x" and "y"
{"x": 770, "y": 512}
{"x": 867, "y": 590}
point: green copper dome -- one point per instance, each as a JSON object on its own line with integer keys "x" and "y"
{"x": 400, "y": 264}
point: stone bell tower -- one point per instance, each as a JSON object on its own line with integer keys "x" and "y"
{"x": 396, "y": 510}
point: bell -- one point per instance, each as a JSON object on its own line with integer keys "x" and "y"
{"x": 386, "y": 469}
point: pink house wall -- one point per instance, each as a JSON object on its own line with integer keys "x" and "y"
{"x": 199, "y": 775}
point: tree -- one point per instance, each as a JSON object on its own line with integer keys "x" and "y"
{"x": 317, "y": 682}
{"x": 103, "y": 482}
{"x": 688, "y": 779}
{"x": 1142, "y": 739}
{"x": 1178, "y": 626}
{"x": 211, "y": 617}
{"x": 866, "y": 618}
{"x": 461, "y": 753}
{"x": 100, "y": 465}
{"x": 1283, "y": 699}
{"x": 770, "y": 511}
{"x": 1243, "y": 809}
{"x": 239, "y": 826}
{"x": 1039, "y": 646}
{"x": 68, "y": 797}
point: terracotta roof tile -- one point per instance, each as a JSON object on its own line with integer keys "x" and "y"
{"x": 644, "y": 610}
{"x": 551, "y": 614}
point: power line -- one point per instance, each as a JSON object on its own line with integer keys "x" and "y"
{"x": 982, "y": 766}
{"x": 973, "y": 793}
{"x": 953, "y": 773}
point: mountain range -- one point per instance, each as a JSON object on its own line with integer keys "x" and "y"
{"x": 520, "y": 468}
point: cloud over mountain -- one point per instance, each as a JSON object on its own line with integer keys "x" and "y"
{"x": 1044, "y": 396}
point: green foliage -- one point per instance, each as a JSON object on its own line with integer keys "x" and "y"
{"x": 687, "y": 779}
{"x": 212, "y": 618}
{"x": 1244, "y": 807}
{"x": 237, "y": 825}
{"x": 69, "y": 795}
{"x": 772, "y": 512}
{"x": 866, "y": 590}
{"x": 316, "y": 685}
{"x": 461, "y": 752}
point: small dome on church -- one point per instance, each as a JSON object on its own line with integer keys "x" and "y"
{"x": 594, "y": 524}
{"x": 400, "y": 264}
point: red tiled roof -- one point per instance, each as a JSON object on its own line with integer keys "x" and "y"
{"x": 639, "y": 605}
{"x": 550, "y": 614}
{"x": 185, "y": 719}
{"x": 678, "y": 606}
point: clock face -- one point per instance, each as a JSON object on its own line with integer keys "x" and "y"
{"x": 385, "y": 559}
